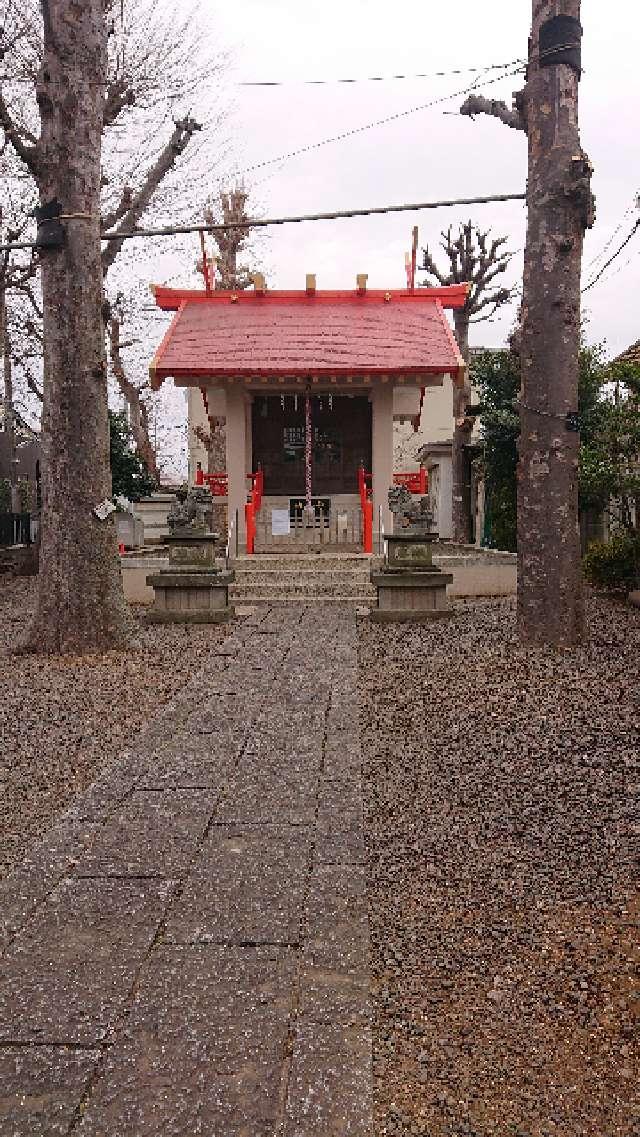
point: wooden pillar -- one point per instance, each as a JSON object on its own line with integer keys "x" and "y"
{"x": 382, "y": 452}
{"x": 237, "y": 458}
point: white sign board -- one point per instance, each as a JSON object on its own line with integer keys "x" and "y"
{"x": 280, "y": 524}
{"x": 104, "y": 509}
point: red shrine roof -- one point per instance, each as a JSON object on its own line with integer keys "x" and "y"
{"x": 309, "y": 334}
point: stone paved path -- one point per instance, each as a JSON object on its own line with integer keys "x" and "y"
{"x": 187, "y": 953}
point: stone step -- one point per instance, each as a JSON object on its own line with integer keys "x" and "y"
{"x": 325, "y": 577}
{"x": 293, "y": 587}
{"x": 292, "y": 562}
{"x": 256, "y": 597}
{"x": 304, "y": 576}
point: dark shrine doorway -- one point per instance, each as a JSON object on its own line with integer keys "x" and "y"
{"x": 341, "y": 442}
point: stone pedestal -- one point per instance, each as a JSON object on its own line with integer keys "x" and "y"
{"x": 191, "y": 597}
{"x": 192, "y": 551}
{"x": 410, "y": 587}
{"x": 192, "y": 590}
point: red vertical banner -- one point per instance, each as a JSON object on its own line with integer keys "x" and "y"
{"x": 308, "y": 442}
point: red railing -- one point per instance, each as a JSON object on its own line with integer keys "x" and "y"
{"x": 219, "y": 485}
{"x": 416, "y": 481}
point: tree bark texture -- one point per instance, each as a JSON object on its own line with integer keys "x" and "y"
{"x": 80, "y": 604}
{"x": 462, "y": 429}
{"x": 550, "y": 599}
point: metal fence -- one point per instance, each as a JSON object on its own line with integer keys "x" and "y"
{"x": 15, "y": 529}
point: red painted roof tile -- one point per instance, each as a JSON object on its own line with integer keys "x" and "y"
{"x": 300, "y": 335}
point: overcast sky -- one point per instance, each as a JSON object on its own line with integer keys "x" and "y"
{"x": 426, "y": 155}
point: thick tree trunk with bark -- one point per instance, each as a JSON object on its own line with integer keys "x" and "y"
{"x": 550, "y": 601}
{"x": 460, "y": 459}
{"x": 80, "y": 603}
{"x": 559, "y": 210}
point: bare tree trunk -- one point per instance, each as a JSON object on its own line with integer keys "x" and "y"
{"x": 80, "y": 603}
{"x": 460, "y": 459}
{"x": 550, "y": 600}
{"x": 476, "y": 261}
{"x": 217, "y": 448}
{"x": 9, "y": 418}
{"x": 138, "y": 411}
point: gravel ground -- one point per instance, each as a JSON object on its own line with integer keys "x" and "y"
{"x": 63, "y": 719}
{"x": 500, "y": 817}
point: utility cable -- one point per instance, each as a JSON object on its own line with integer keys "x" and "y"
{"x": 375, "y": 78}
{"x": 599, "y": 256}
{"x": 613, "y": 257}
{"x": 378, "y": 122}
{"x": 261, "y": 223}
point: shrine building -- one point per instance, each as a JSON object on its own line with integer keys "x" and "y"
{"x": 309, "y": 384}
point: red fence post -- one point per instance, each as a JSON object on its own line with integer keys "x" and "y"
{"x": 257, "y": 487}
{"x": 249, "y": 515}
{"x": 367, "y": 526}
{"x": 199, "y": 475}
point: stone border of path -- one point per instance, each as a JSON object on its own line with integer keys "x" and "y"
{"x": 187, "y": 952}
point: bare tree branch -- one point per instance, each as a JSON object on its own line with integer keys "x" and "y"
{"x": 139, "y": 414}
{"x": 472, "y": 260}
{"x": 124, "y": 205}
{"x": 27, "y": 291}
{"x": 120, "y": 95}
{"x": 231, "y": 206}
{"x": 27, "y": 153}
{"x": 478, "y": 104}
{"x": 31, "y": 383}
{"x": 183, "y": 133}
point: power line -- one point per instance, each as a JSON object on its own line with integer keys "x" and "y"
{"x": 613, "y": 257}
{"x": 375, "y": 78}
{"x": 636, "y": 198}
{"x": 378, "y": 122}
{"x": 261, "y": 223}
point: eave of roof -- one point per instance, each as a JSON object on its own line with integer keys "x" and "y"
{"x": 171, "y": 299}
